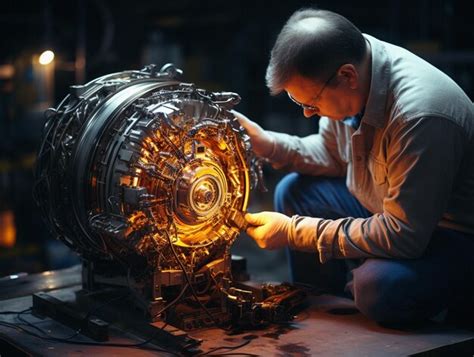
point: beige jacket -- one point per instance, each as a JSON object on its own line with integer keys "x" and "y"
{"x": 411, "y": 162}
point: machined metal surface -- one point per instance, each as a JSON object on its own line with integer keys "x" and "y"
{"x": 148, "y": 179}
{"x": 138, "y": 163}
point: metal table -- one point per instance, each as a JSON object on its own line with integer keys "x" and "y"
{"x": 330, "y": 326}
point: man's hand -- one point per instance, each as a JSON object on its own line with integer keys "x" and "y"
{"x": 269, "y": 229}
{"x": 262, "y": 142}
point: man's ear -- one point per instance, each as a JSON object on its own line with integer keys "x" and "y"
{"x": 348, "y": 74}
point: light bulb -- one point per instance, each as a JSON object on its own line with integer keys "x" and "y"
{"x": 46, "y": 57}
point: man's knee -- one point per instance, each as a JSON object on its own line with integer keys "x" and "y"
{"x": 370, "y": 291}
{"x": 386, "y": 293}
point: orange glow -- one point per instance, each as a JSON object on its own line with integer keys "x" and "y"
{"x": 7, "y": 229}
{"x": 152, "y": 144}
{"x": 125, "y": 180}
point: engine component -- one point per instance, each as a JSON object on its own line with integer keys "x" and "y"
{"x": 147, "y": 178}
{"x": 134, "y": 160}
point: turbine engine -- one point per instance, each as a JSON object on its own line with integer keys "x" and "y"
{"x": 147, "y": 178}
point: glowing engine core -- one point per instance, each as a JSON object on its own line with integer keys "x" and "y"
{"x": 137, "y": 161}
{"x": 147, "y": 178}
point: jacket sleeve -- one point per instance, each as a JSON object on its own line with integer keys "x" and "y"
{"x": 423, "y": 157}
{"x": 315, "y": 154}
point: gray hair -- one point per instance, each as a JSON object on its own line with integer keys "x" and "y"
{"x": 311, "y": 44}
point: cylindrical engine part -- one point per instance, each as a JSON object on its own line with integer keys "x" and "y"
{"x": 136, "y": 164}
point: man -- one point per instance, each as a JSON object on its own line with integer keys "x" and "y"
{"x": 388, "y": 182}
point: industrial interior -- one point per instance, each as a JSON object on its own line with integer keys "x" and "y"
{"x": 125, "y": 178}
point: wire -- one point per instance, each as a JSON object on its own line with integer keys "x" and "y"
{"x": 124, "y": 345}
{"x": 67, "y": 340}
{"x": 175, "y": 300}
{"x": 28, "y": 323}
{"x": 236, "y": 354}
{"x": 186, "y": 275}
{"x": 95, "y": 309}
{"x": 230, "y": 348}
{"x": 46, "y": 336}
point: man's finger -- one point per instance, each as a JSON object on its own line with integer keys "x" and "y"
{"x": 256, "y": 232}
{"x": 248, "y": 124}
{"x": 250, "y": 231}
{"x": 254, "y": 219}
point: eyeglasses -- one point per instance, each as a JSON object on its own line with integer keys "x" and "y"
{"x": 310, "y": 107}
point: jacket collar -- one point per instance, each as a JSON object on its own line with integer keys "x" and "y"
{"x": 377, "y": 101}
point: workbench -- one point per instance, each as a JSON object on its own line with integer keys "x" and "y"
{"x": 330, "y": 326}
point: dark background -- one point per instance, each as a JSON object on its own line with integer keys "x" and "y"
{"x": 219, "y": 45}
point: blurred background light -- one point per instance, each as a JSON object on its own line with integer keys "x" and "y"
{"x": 46, "y": 57}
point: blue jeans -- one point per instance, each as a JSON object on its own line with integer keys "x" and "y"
{"x": 385, "y": 290}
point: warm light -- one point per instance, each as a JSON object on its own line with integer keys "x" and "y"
{"x": 7, "y": 229}
{"x": 46, "y": 57}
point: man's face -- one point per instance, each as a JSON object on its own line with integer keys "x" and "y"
{"x": 336, "y": 97}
